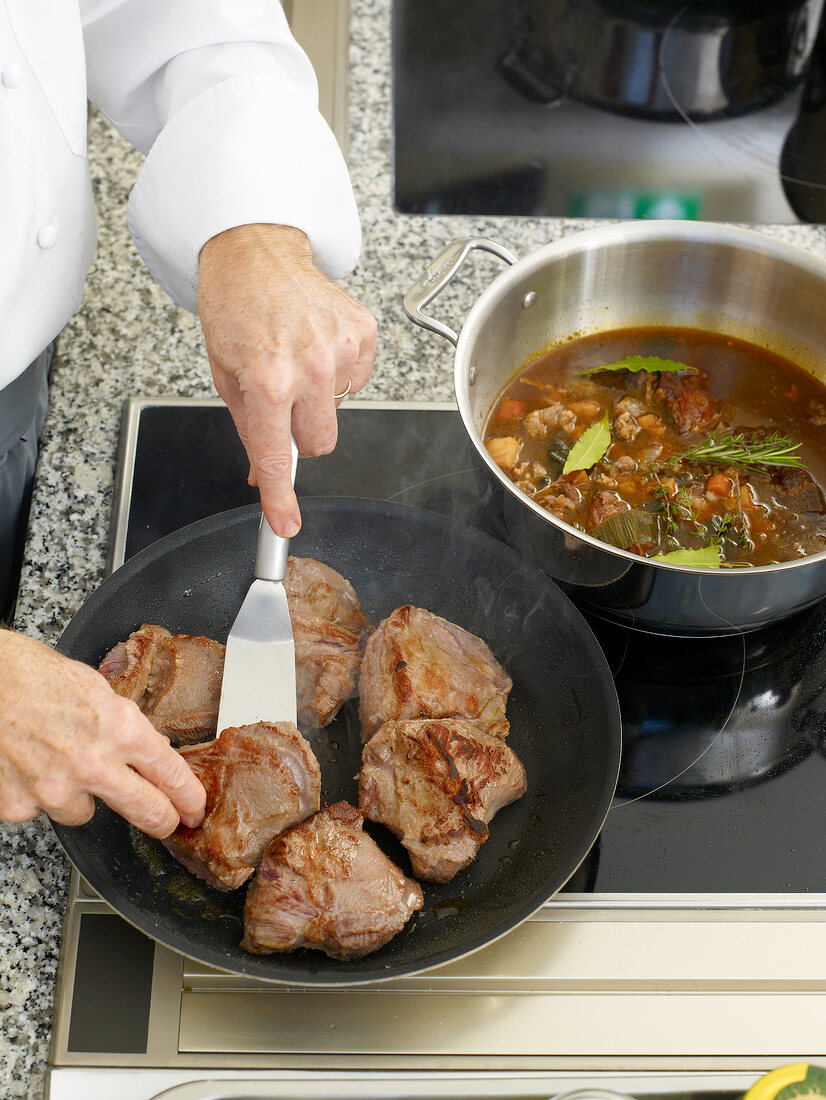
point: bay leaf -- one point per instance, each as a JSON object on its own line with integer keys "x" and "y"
{"x": 707, "y": 557}
{"x": 635, "y": 363}
{"x": 589, "y": 448}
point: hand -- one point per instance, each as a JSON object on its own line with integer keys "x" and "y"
{"x": 66, "y": 736}
{"x": 282, "y": 339}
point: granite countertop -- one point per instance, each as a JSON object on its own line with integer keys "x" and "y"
{"x": 128, "y": 339}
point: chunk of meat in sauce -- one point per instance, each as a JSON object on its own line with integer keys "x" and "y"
{"x": 797, "y": 491}
{"x": 543, "y": 422}
{"x": 560, "y": 496}
{"x": 692, "y": 408}
{"x": 604, "y": 504}
{"x": 626, "y": 427}
{"x": 643, "y": 384}
{"x": 625, "y": 464}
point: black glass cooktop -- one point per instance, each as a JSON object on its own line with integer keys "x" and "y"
{"x": 723, "y": 779}
{"x": 709, "y": 109}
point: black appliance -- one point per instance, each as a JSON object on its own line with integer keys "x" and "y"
{"x": 708, "y": 109}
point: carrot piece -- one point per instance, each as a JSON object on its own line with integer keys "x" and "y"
{"x": 511, "y": 409}
{"x": 584, "y": 410}
{"x": 719, "y": 485}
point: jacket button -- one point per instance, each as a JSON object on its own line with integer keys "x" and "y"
{"x": 11, "y": 75}
{"x": 47, "y": 236}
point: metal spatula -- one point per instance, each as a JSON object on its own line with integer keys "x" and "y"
{"x": 259, "y": 667}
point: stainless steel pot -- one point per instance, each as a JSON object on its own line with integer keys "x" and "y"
{"x": 662, "y": 60}
{"x": 626, "y": 275}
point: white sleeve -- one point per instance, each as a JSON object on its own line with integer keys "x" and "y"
{"x": 224, "y": 103}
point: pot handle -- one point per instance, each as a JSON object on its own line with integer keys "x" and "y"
{"x": 439, "y": 273}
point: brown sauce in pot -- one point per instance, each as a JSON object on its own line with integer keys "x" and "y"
{"x": 637, "y": 491}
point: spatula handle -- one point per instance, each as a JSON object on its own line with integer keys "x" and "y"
{"x": 271, "y": 550}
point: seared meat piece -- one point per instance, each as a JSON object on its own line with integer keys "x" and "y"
{"x": 692, "y": 408}
{"x": 174, "y": 678}
{"x": 259, "y": 780}
{"x": 327, "y": 662}
{"x": 329, "y": 630}
{"x": 316, "y": 590}
{"x": 436, "y": 784}
{"x": 133, "y": 667}
{"x": 418, "y": 665}
{"x": 796, "y": 490}
{"x": 327, "y": 885}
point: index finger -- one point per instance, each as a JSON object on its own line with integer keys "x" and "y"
{"x": 271, "y": 446}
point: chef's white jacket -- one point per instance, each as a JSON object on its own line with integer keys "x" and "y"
{"x": 215, "y": 92}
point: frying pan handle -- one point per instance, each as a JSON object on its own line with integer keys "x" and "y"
{"x": 437, "y": 276}
{"x": 271, "y": 551}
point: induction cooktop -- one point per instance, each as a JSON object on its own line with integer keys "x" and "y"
{"x": 685, "y": 956}
{"x": 721, "y": 785}
{"x": 706, "y": 109}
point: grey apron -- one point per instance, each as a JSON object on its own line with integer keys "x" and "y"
{"x": 22, "y": 412}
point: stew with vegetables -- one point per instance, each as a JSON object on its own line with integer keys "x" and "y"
{"x": 674, "y": 444}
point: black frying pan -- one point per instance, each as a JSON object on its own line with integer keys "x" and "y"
{"x": 563, "y": 710}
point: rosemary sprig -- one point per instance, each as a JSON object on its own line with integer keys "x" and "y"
{"x": 736, "y": 450}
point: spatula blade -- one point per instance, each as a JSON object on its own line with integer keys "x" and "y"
{"x": 259, "y": 666}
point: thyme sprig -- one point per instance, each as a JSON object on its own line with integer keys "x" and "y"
{"x": 748, "y": 454}
{"x": 731, "y": 526}
{"x": 677, "y": 509}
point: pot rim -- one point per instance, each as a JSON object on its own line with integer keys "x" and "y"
{"x": 696, "y": 232}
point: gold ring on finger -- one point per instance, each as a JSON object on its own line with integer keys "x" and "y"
{"x": 341, "y": 396}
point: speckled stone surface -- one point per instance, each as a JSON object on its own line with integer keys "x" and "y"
{"x": 129, "y": 339}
